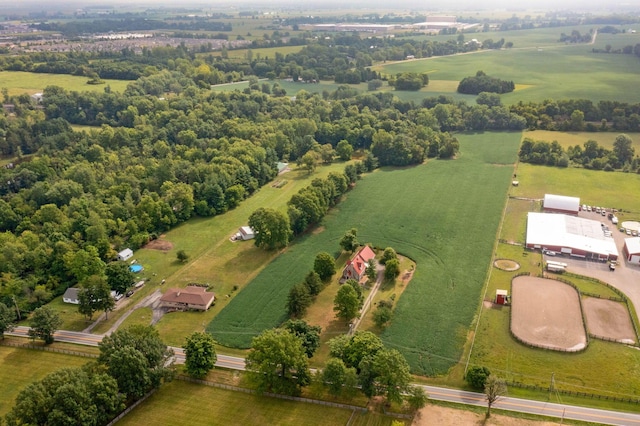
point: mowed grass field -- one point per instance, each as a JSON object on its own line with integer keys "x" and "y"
{"x": 604, "y": 368}
{"x": 19, "y": 367}
{"x": 444, "y": 215}
{"x": 567, "y": 139}
{"x": 182, "y": 403}
{"x": 18, "y": 82}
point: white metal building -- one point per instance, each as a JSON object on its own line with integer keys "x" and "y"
{"x": 561, "y": 204}
{"x": 632, "y": 250}
{"x": 570, "y": 235}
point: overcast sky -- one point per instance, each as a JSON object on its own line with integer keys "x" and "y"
{"x": 630, "y": 5}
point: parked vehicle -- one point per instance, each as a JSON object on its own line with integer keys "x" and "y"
{"x": 118, "y": 296}
{"x": 130, "y": 293}
{"x": 549, "y": 252}
{"x": 614, "y": 220}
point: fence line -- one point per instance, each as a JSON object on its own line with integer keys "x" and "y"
{"x": 131, "y": 407}
{"x": 47, "y": 349}
{"x": 573, "y": 393}
{"x": 273, "y": 395}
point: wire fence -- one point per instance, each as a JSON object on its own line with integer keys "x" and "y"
{"x": 47, "y": 349}
{"x": 131, "y": 407}
{"x": 573, "y": 393}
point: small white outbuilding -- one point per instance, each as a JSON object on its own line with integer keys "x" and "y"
{"x": 245, "y": 233}
{"x": 125, "y": 254}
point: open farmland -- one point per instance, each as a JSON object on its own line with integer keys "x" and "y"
{"x": 551, "y": 72}
{"x": 568, "y": 139}
{"x": 412, "y": 210}
{"x": 20, "y": 367}
{"x": 18, "y": 82}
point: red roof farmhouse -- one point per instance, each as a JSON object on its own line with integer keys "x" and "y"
{"x": 190, "y": 297}
{"x": 356, "y": 267}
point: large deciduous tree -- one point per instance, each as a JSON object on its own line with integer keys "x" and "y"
{"x": 278, "y": 362}
{"x": 309, "y": 334}
{"x": 69, "y": 396}
{"x": 349, "y": 241}
{"x": 200, "y": 353}
{"x": 119, "y": 276}
{"x": 477, "y": 376}
{"x": 324, "y": 265}
{"x": 298, "y": 300}
{"x": 95, "y": 295}
{"x": 338, "y": 377}
{"x": 7, "y": 319}
{"x": 44, "y": 322}
{"x": 272, "y": 229}
{"x": 622, "y": 149}
{"x": 137, "y": 358}
{"x": 346, "y": 304}
{"x": 392, "y": 374}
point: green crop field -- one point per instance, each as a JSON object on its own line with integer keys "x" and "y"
{"x": 180, "y": 403}
{"x": 413, "y": 210}
{"x": 550, "y": 72}
{"x": 19, "y": 367}
{"x": 18, "y": 82}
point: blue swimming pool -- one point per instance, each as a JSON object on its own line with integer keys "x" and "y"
{"x": 135, "y": 268}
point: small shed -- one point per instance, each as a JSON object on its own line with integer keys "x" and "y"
{"x": 502, "y": 297}
{"x": 245, "y": 233}
{"x": 125, "y": 254}
{"x": 71, "y": 296}
{"x": 515, "y": 182}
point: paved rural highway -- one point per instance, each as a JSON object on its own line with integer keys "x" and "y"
{"x": 442, "y": 394}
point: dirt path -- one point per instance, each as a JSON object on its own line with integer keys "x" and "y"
{"x": 445, "y": 416}
{"x": 367, "y": 302}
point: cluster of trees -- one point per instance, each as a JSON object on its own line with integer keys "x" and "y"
{"x": 576, "y": 37}
{"x": 132, "y": 361}
{"x": 409, "y": 81}
{"x": 278, "y": 362}
{"x": 590, "y": 155}
{"x": 480, "y": 378}
{"x": 481, "y": 82}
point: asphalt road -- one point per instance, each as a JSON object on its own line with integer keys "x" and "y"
{"x": 561, "y": 411}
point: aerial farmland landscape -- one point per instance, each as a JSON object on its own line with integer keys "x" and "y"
{"x": 276, "y": 213}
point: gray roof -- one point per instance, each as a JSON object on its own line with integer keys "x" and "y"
{"x": 71, "y": 293}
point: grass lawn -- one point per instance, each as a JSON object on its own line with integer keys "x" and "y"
{"x": 611, "y": 189}
{"x": 71, "y": 318}
{"x": 567, "y": 139}
{"x": 404, "y": 209}
{"x": 180, "y": 403}
{"x": 213, "y": 258}
{"x": 18, "y": 82}
{"x": 19, "y": 367}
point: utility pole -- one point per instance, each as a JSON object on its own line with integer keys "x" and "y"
{"x": 553, "y": 382}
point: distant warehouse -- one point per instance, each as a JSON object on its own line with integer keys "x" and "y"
{"x": 570, "y": 235}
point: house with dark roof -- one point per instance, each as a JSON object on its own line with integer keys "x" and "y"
{"x": 71, "y": 296}
{"x": 356, "y": 267}
{"x": 190, "y": 297}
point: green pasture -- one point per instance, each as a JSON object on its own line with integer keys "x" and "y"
{"x": 71, "y": 318}
{"x": 19, "y": 367}
{"x": 554, "y": 72}
{"x": 413, "y": 210}
{"x": 179, "y": 403}
{"x": 568, "y": 139}
{"x": 213, "y": 258}
{"x": 610, "y": 189}
{"x": 18, "y": 82}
